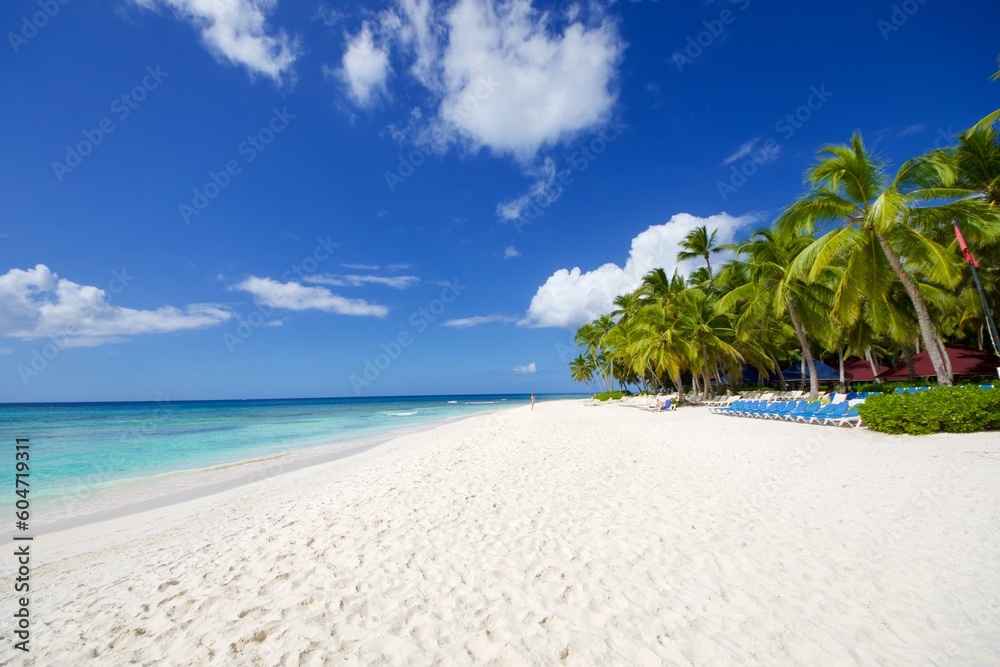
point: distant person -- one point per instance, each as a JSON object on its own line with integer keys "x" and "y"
{"x": 532, "y": 401}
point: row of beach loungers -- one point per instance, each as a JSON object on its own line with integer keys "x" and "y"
{"x": 842, "y": 411}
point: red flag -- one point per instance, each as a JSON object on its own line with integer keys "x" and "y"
{"x": 965, "y": 249}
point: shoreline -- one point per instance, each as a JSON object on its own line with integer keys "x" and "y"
{"x": 180, "y": 487}
{"x": 592, "y": 535}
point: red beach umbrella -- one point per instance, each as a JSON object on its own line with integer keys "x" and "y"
{"x": 861, "y": 371}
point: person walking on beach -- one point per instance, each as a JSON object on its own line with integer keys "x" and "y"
{"x": 532, "y": 401}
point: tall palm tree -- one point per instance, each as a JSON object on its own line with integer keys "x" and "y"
{"x": 977, "y": 157}
{"x": 656, "y": 286}
{"x": 711, "y": 333}
{"x": 589, "y": 337}
{"x": 581, "y": 369}
{"x": 699, "y": 243}
{"x": 877, "y": 217}
{"x": 662, "y": 346}
{"x": 772, "y": 289}
{"x": 626, "y": 306}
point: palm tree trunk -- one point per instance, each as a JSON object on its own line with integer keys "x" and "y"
{"x": 947, "y": 359}
{"x": 840, "y": 354}
{"x": 806, "y": 352}
{"x": 923, "y": 316}
{"x": 781, "y": 378}
{"x": 871, "y": 362}
{"x": 679, "y": 381}
{"x": 909, "y": 365}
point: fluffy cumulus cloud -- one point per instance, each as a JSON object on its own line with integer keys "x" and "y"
{"x": 510, "y": 252}
{"x": 548, "y": 84}
{"x": 526, "y": 369}
{"x": 36, "y": 303}
{"x": 502, "y": 75}
{"x": 237, "y": 31}
{"x": 364, "y": 68}
{"x": 571, "y": 297}
{"x": 296, "y": 296}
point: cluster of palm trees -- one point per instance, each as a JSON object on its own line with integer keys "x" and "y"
{"x": 865, "y": 264}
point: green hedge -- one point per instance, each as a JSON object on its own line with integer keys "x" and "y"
{"x": 604, "y": 395}
{"x": 945, "y": 409}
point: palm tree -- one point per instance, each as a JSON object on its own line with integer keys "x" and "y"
{"x": 657, "y": 286}
{"x": 881, "y": 217}
{"x": 699, "y": 243}
{"x": 711, "y": 333}
{"x": 589, "y": 336}
{"x": 581, "y": 369}
{"x": 977, "y": 158}
{"x": 626, "y": 306}
{"x": 772, "y": 289}
{"x": 661, "y": 346}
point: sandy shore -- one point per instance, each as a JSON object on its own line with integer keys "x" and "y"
{"x": 584, "y": 535}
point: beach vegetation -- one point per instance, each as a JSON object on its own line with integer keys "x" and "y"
{"x": 945, "y": 409}
{"x": 609, "y": 395}
{"x": 865, "y": 264}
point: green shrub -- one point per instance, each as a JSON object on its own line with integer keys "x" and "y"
{"x": 945, "y": 409}
{"x": 889, "y": 387}
{"x": 605, "y": 395}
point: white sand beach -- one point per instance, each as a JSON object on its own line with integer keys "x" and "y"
{"x": 568, "y": 534}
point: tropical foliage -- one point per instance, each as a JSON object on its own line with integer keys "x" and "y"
{"x": 864, "y": 264}
{"x": 951, "y": 410}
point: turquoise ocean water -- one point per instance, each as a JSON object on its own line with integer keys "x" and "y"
{"x": 97, "y": 446}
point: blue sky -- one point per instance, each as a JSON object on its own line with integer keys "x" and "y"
{"x": 227, "y": 199}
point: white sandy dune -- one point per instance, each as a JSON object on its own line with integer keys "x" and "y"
{"x": 568, "y": 534}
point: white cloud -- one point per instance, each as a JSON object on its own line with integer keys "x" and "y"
{"x": 916, "y": 128}
{"x": 551, "y": 83}
{"x": 742, "y": 151}
{"x": 237, "y": 31}
{"x": 570, "y": 298}
{"x": 527, "y": 369}
{"x": 418, "y": 33}
{"x": 6, "y": 350}
{"x": 510, "y": 252}
{"x": 398, "y": 282}
{"x": 361, "y": 267}
{"x": 295, "y": 296}
{"x": 544, "y": 192}
{"x": 766, "y": 154}
{"x": 502, "y": 75}
{"x": 467, "y": 322}
{"x": 36, "y": 303}
{"x": 364, "y": 67}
